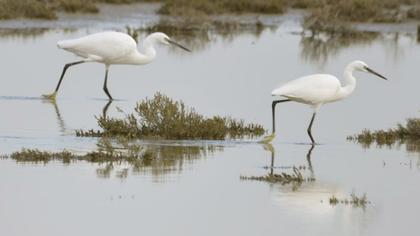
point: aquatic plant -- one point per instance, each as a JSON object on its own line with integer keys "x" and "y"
{"x": 344, "y": 10}
{"x": 161, "y": 117}
{"x": 10, "y": 9}
{"x": 333, "y": 200}
{"x": 295, "y": 179}
{"x": 47, "y": 9}
{"x": 340, "y": 10}
{"x": 410, "y": 131}
{"x": 360, "y": 10}
{"x": 206, "y": 7}
{"x": 113, "y": 154}
{"x": 354, "y": 200}
{"x": 73, "y": 6}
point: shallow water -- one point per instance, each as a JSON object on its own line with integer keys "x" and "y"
{"x": 200, "y": 192}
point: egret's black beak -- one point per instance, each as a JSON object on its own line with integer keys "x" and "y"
{"x": 178, "y": 45}
{"x": 375, "y": 73}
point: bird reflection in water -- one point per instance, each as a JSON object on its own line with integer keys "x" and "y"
{"x": 271, "y": 149}
{"x": 295, "y": 178}
{"x": 60, "y": 121}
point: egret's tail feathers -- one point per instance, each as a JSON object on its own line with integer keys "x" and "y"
{"x": 64, "y": 44}
{"x": 278, "y": 92}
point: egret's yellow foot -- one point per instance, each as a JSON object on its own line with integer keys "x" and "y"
{"x": 268, "y": 138}
{"x": 50, "y": 96}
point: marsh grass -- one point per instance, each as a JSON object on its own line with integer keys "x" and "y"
{"x": 75, "y": 6}
{"x": 126, "y": 1}
{"x": 343, "y": 10}
{"x": 10, "y": 9}
{"x": 336, "y": 17}
{"x": 47, "y": 9}
{"x": 382, "y": 11}
{"x": 354, "y": 200}
{"x": 163, "y": 118}
{"x": 402, "y": 133}
{"x": 207, "y": 7}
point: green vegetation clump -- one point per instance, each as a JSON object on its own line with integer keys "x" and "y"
{"x": 162, "y": 117}
{"x": 354, "y": 200}
{"x": 126, "y": 1}
{"x": 47, "y": 9}
{"x": 212, "y": 7}
{"x": 73, "y": 6}
{"x": 343, "y": 10}
{"x": 10, "y": 9}
{"x": 363, "y": 10}
{"x": 409, "y": 132}
{"x": 336, "y": 16}
{"x": 360, "y": 10}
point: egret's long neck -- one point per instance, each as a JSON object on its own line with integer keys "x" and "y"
{"x": 148, "y": 53}
{"x": 349, "y": 83}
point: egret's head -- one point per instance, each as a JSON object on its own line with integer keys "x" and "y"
{"x": 165, "y": 40}
{"x": 362, "y": 66}
{"x": 359, "y": 65}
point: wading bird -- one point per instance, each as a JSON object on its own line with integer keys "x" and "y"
{"x": 112, "y": 48}
{"x": 316, "y": 90}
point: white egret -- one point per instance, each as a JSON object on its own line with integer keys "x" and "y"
{"x": 316, "y": 90}
{"x": 111, "y": 48}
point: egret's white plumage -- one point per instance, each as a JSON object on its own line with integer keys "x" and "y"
{"x": 311, "y": 90}
{"x": 104, "y": 47}
{"x": 316, "y": 90}
{"x": 112, "y": 48}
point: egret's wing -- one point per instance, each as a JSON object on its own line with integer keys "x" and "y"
{"x": 100, "y": 46}
{"x": 311, "y": 89}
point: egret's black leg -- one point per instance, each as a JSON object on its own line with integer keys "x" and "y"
{"x": 105, "y": 82}
{"x": 273, "y": 109}
{"x": 66, "y": 66}
{"x": 310, "y": 127}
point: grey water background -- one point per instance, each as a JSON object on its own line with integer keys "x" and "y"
{"x": 204, "y": 195}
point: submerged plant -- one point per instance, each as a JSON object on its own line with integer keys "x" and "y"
{"x": 162, "y": 117}
{"x": 354, "y": 200}
{"x": 295, "y": 179}
{"x": 117, "y": 155}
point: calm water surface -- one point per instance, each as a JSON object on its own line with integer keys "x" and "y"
{"x": 195, "y": 189}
